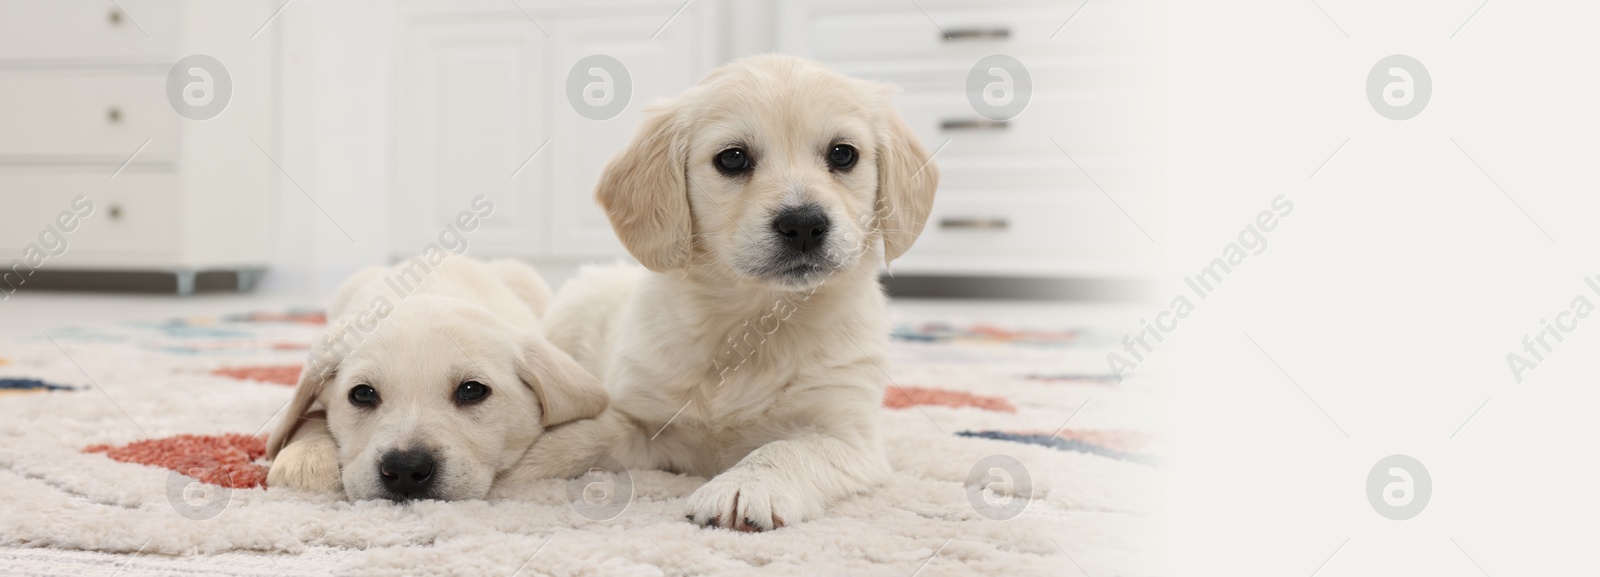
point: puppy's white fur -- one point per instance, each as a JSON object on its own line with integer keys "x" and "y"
{"x": 464, "y": 320}
{"x": 768, "y": 379}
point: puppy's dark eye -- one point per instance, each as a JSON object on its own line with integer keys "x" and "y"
{"x": 842, "y": 156}
{"x": 733, "y": 161}
{"x": 363, "y": 395}
{"x": 471, "y": 391}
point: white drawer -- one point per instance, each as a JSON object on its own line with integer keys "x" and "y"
{"x": 935, "y": 117}
{"x": 82, "y": 29}
{"x": 1018, "y": 224}
{"x": 101, "y": 117}
{"x": 880, "y": 30}
{"x": 135, "y": 215}
{"x": 1103, "y": 135}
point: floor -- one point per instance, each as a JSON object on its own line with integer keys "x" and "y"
{"x": 26, "y": 312}
{"x": 32, "y": 313}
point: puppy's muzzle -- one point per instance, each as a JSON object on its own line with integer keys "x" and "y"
{"x": 802, "y": 229}
{"x": 407, "y": 474}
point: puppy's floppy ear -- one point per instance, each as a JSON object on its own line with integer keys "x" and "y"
{"x": 644, "y": 190}
{"x": 565, "y": 390}
{"x": 907, "y": 179}
{"x": 318, "y": 371}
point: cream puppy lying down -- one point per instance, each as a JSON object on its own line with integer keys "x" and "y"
{"x": 429, "y": 382}
{"x": 754, "y": 349}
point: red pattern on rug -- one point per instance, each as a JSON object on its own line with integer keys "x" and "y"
{"x": 280, "y": 374}
{"x": 227, "y": 459}
{"x": 907, "y": 397}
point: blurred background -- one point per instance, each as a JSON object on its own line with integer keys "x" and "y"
{"x": 184, "y": 183}
{"x": 1443, "y": 207}
{"x": 280, "y": 146}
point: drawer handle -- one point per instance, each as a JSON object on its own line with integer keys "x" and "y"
{"x": 976, "y": 33}
{"x": 114, "y": 115}
{"x": 116, "y": 17}
{"x": 972, "y": 124}
{"x": 974, "y": 223}
{"x": 115, "y": 212}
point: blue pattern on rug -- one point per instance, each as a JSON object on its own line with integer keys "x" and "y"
{"x": 1074, "y": 377}
{"x": 1059, "y": 443}
{"x": 30, "y": 385}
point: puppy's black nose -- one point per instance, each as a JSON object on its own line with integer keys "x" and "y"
{"x": 407, "y": 474}
{"x": 802, "y": 228}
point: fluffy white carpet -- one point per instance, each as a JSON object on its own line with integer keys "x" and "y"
{"x": 62, "y": 509}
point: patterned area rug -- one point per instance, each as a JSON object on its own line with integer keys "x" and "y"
{"x": 138, "y": 448}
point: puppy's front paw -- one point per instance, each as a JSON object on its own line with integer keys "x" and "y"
{"x": 741, "y": 500}
{"x": 308, "y": 465}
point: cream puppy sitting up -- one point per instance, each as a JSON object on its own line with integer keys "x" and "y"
{"x": 753, "y": 351}
{"x": 429, "y": 383}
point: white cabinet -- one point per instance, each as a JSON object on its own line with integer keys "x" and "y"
{"x": 469, "y": 110}
{"x": 85, "y": 110}
{"x": 659, "y": 66}
{"x": 1010, "y": 201}
{"x": 482, "y": 86}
